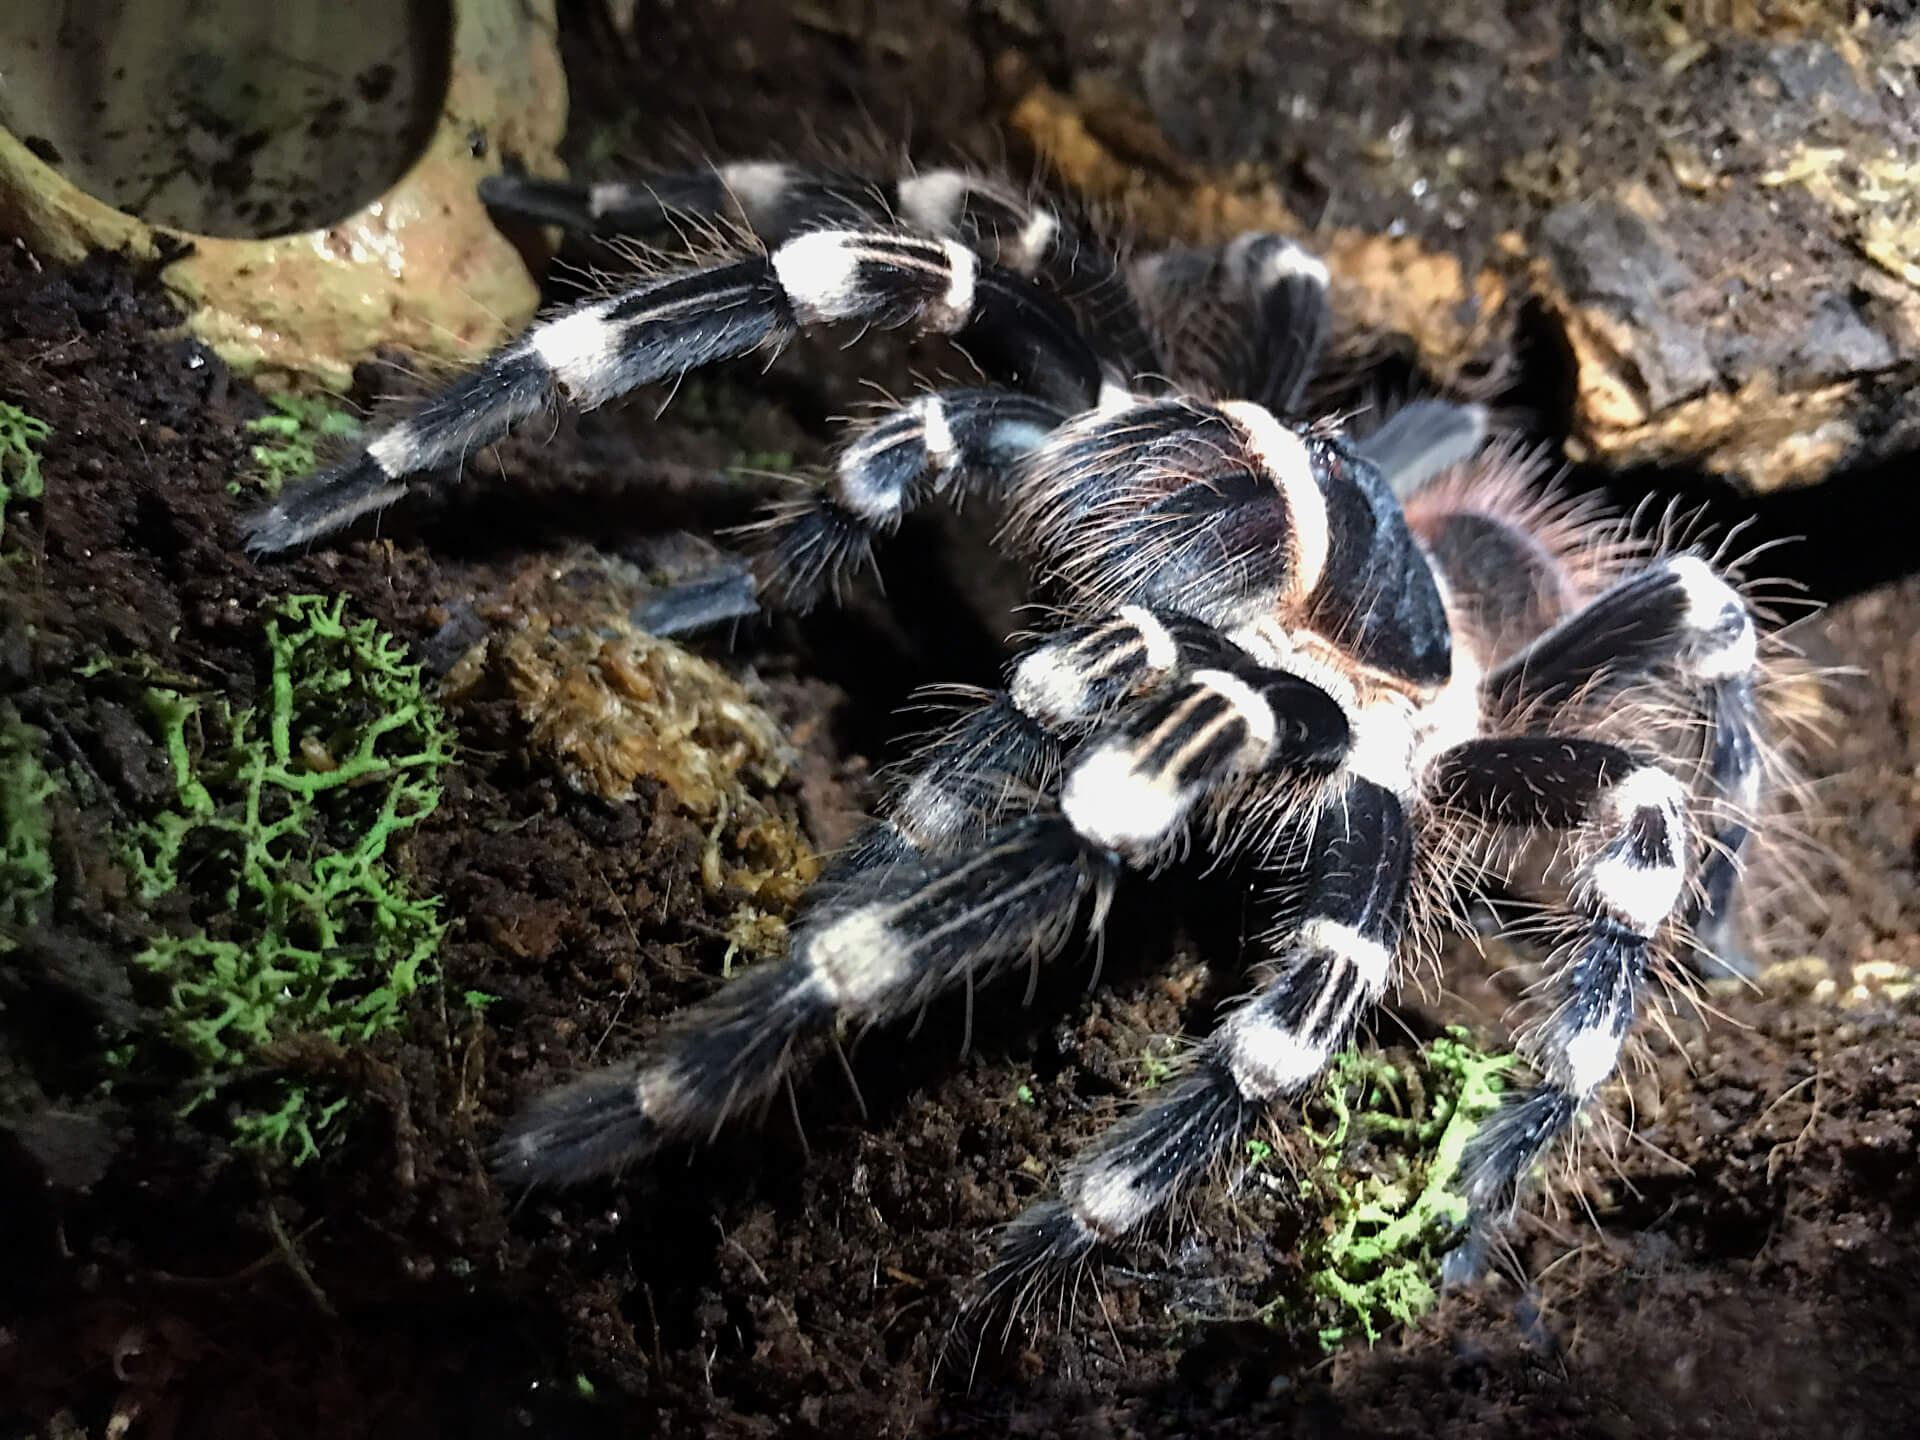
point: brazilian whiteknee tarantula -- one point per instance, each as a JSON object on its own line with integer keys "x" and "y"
{"x": 1369, "y": 668}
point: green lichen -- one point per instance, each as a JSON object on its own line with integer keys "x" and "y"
{"x": 296, "y": 435}
{"x": 26, "y": 834}
{"x": 1388, "y": 1156}
{"x": 278, "y": 846}
{"x": 20, "y": 439}
{"x": 1157, "y": 1063}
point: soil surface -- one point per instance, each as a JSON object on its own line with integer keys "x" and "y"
{"x": 1744, "y": 1261}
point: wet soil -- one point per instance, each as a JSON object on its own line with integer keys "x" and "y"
{"x": 1745, "y": 1261}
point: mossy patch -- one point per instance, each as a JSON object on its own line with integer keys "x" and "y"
{"x": 608, "y": 707}
{"x": 1387, "y": 1141}
{"x": 295, "y": 437}
{"x": 275, "y": 862}
{"x": 20, "y": 439}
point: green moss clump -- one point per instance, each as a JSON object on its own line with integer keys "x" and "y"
{"x": 20, "y": 439}
{"x": 295, "y": 436}
{"x": 277, "y": 845}
{"x": 1388, "y": 1158}
{"x": 26, "y": 834}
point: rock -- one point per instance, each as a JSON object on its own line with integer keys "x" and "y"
{"x": 419, "y": 269}
{"x": 1721, "y": 215}
{"x": 1815, "y": 75}
{"x": 1606, "y": 256}
{"x": 1839, "y": 344}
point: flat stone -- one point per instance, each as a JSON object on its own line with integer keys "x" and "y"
{"x": 1608, "y": 257}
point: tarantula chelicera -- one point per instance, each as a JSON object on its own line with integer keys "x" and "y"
{"x": 1377, "y": 671}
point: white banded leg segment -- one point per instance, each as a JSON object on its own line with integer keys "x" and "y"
{"x": 775, "y": 201}
{"x": 1002, "y": 759}
{"x": 993, "y": 218}
{"x": 1284, "y": 292}
{"x": 1637, "y": 879}
{"x": 1722, "y": 658}
{"x": 948, "y": 444}
{"x": 1325, "y": 974}
{"x": 719, "y": 1058}
{"x": 940, "y": 441}
{"x": 861, "y": 961}
{"x": 779, "y": 202}
{"x": 1132, "y": 787}
{"x": 996, "y": 762}
{"x": 1681, "y": 616}
{"x": 588, "y": 355}
{"x": 1012, "y": 900}
{"x": 1033, "y": 242}
{"x": 1015, "y": 332}
{"x": 1677, "y": 613}
{"x": 1625, "y": 891}
{"x": 993, "y": 765}
{"x": 664, "y": 328}
{"x": 1077, "y": 676}
{"x": 1278, "y": 1043}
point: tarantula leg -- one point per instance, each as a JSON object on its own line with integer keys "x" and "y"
{"x": 775, "y": 201}
{"x": 891, "y": 950}
{"x": 778, "y": 202}
{"x": 1676, "y": 612}
{"x": 1272, "y": 297}
{"x": 1421, "y": 439}
{"x": 1014, "y": 899}
{"x": 1285, "y": 291}
{"x": 1633, "y": 819}
{"x": 1002, "y": 758}
{"x": 1325, "y": 972}
{"x": 1031, "y": 240}
{"x": 665, "y": 328}
{"x": 947, "y": 444}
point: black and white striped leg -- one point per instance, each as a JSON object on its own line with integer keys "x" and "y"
{"x": 774, "y": 201}
{"x": 777, "y": 202}
{"x": 662, "y": 329}
{"x": 1004, "y": 758}
{"x": 903, "y": 943}
{"x": 1032, "y": 240}
{"x": 1677, "y": 614}
{"x": 1284, "y": 292}
{"x": 948, "y": 444}
{"x": 890, "y": 949}
{"x": 1630, "y": 820}
{"x": 992, "y": 764}
{"x": 1324, "y": 974}
{"x": 1252, "y": 314}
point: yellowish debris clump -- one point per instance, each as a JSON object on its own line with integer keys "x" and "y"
{"x": 609, "y": 706}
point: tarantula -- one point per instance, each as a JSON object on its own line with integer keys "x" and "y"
{"x": 1370, "y": 669}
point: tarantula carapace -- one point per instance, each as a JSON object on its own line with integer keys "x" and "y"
{"x": 1369, "y": 668}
